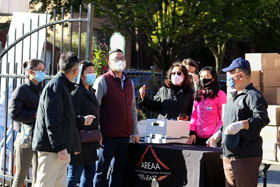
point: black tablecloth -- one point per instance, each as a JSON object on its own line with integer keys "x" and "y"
{"x": 173, "y": 165}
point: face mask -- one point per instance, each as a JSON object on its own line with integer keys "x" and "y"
{"x": 231, "y": 83}
{"x": 74, "y": 80}
{"x": 205, "y": 83}
{"x": 40, "y": 76}
{"x": 118, "y": 66}
{"x": 90, "y": 78}
{"x": 176, "y": 79}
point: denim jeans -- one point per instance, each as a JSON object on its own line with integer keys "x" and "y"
{"x": 114, "y": 152}
{"x": 75, "y": 172}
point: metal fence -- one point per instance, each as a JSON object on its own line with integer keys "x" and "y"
{"x": 12, "y": 74}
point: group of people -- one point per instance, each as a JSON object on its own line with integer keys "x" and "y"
{"x": 62, "y": 109}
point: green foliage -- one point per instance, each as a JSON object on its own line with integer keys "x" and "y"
{"x": 100, "y": 60}
{"x": 140, "y": 115}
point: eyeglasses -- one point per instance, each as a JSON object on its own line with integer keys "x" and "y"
{"x": 178, "y": 73}
{"x": 117, "y": 59}
{"x": 41, "y": 71}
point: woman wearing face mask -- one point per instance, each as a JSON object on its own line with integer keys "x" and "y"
{"x": 207, "y": 107}
{"x": 174, "y": 98}
{"x": 82, "y": 165}
{"x": 22, "y": 109}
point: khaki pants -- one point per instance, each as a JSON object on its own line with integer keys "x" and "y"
{"x": 242, "y": 172}
{"x": 51, "y": 171}
{"x": 23, "y": 162}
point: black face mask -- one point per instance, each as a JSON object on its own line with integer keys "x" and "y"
{"x": 206, "y": 83}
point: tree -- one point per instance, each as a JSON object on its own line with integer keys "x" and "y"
{"x": 159, "y": 26}
{"x": 220, "y": 21}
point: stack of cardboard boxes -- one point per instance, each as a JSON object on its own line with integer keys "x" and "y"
{"x": 266, "y": 78}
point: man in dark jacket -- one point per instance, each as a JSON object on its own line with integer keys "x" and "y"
{"x": 55, "y": 124}
{"x": 115, "y": 94}
{"x": 246, "y": 115}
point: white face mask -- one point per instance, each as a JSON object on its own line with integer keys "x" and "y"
{"x": 176, "y": 79}
{"x": 118, "y": 66}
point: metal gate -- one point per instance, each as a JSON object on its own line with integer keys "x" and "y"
{"x": 11, "y": 75}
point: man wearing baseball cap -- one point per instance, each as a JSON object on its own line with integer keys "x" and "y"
{"x": 246, "y": 114}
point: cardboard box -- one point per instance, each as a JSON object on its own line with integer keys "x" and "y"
{"x": 271, "y": 78}
{"x": 271, "y": 94}
{"x": 270, "y": 61}
{"x": 167, "y": 131}
{"x": 270, "y": 135}
{"x": 274, "y": 114}
{"x": 256, "y": 78}
{"x": 263, "y": 61}
{"x": 255, "y": 60}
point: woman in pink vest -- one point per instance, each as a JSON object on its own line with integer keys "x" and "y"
{"x": 206, "y": 117}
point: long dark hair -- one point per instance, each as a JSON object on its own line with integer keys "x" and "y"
{"x": 186, "y": 83}
{"x": 214, "y": 86}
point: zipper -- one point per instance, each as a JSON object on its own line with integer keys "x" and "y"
{"x": 124, "y": 106}
{"x": 202, "y": 117}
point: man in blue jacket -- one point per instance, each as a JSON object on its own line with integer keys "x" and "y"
{"x": 246, "y": 115}
{"x": 55, "y": 124}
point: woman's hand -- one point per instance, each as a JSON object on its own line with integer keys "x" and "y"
{"x": 142, "y": 91}
{"x": 192, "y": 139}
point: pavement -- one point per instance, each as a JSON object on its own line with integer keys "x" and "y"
{"x": 273, "y": 176}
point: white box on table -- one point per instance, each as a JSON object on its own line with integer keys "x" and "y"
{"x": 167, "y": 131}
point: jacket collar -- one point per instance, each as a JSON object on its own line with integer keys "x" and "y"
{"x": 36, "y": 88}
{"x": 115, "y": 77}
{"x": 247, "y": 88}
{"x": 70, "y": 86}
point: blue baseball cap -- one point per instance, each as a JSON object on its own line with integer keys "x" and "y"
{"x": 238, "y": 63}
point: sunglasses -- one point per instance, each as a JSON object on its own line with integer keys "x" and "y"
{"x": 178, "y": 73}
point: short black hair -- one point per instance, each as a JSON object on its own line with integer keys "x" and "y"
{"x": 115, "y": 50}
{"x": 86, "y": 64}
{"x": 68, "y": 61}
{"x": 247, "y": 72}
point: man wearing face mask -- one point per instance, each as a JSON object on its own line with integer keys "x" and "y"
{"x": 55, "y": 124}
{"x": 115, "y": 94}
{"x": 175, "y": 98}
{"x": 246, "y": 114}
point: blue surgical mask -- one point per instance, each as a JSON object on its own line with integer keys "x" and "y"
{"x": 231, "y": 83}
{"x": 74, "y": 80}
{"x": 40, "y": 76}
{"x": 91, "y": 77}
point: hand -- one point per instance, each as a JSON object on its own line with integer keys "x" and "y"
{"x": 63, "y": 155}
{"x": 89, "y": 119}
{"x": 234, "y": 128}
{"x": 192, "y": 139}
{"x": 142, "y": 91}
{"x": 195, "y": 78}
{"x": 185, "y": 118}
{"x": 76, "y": 153}
{"x": 214, "y": 139}
{"x": 135, "y": 139}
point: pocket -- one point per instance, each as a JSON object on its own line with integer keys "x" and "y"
{"x": 232, "y": 143}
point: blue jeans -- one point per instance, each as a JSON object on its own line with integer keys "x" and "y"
{"x": 114, "y": 152}
{"x": 74, "y": 175}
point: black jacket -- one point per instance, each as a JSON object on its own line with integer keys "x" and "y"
{"x": 24, "y": 103}
{"x": 249, "y": 105}
{"x": 170, "y": 104}
{"x": 85, "y": 103}
{"x": 56, "y": 121}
